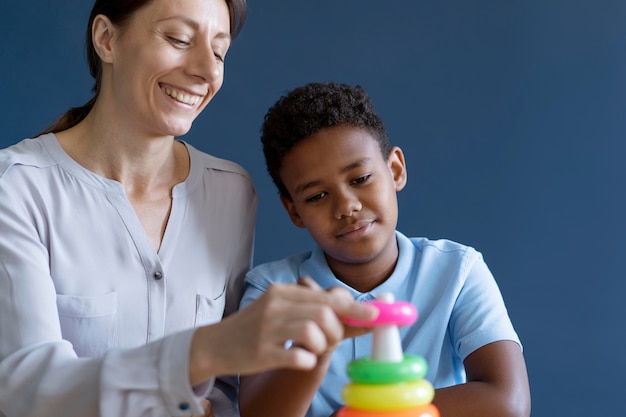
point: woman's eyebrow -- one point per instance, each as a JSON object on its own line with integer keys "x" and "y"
{"x": 192, "y": 24}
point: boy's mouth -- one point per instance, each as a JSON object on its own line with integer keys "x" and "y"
{"x": 356, "y": 230}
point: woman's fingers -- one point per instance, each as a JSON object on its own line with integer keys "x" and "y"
{"x": 302, "y": 314}
{"x": 253, "y": 339}
{"x": 344, "y": 306}
{"x": 309, "y": 283}
{"x": 340, "y": 300}
{"x": 208, "y": 409}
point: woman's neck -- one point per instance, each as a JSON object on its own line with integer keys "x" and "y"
{"x": 137, "y": 162}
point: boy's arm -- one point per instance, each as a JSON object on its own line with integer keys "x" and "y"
{"x": 497, "y": 385}
{"x": 281, "y": 392}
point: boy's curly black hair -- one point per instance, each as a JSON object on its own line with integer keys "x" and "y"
{"x": 306, "y": 110}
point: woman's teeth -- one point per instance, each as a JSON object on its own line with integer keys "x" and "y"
{"x": 183, "y": 98}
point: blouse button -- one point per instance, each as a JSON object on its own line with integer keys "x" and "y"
{"x": 183, "y": 406}
{"x": 158, "y": 275}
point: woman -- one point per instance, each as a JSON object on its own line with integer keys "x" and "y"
{"x": 122, "y": 248}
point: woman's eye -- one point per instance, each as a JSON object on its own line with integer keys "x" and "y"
{"x": 360, "y": 180}
{"x": 316, "y": 197}
{"x": 177, "y": 41}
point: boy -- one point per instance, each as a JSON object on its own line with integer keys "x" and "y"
{"x": 337, "y": 174}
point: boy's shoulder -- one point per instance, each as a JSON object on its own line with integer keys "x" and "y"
{"x": 443, "y": 245}
{"x": 440, "y": 245}
{"x": 437, "y": 251}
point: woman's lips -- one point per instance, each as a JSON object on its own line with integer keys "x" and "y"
{"x": 182, "y": 96}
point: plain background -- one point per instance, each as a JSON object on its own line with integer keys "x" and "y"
{"x": 510, "y": 116}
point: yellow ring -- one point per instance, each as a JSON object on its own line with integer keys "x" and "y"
{"x": 426, "y": 410}
{"x": 367, "y": 371}
{"x": 378, "y": 397}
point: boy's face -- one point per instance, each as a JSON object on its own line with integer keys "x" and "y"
{"x": 344, "y": 193}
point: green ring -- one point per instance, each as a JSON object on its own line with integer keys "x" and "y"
{"x": 367, "y": 371}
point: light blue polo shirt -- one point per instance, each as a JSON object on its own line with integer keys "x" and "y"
{"x": 459, "y": 304}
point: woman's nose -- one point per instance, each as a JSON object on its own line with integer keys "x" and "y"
{"x": 205, "y": 64}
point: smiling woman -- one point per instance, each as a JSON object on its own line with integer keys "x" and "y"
{"x": 119, "y": 13}
{"x": 161, "y": 50}
{"x": 131, "y": 321}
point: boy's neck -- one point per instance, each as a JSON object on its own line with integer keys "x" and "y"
{"x": 366, "y": 276}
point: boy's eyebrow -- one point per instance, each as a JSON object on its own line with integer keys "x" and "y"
{"x": 304, "y": 187}
{"x": 356, "y": 164}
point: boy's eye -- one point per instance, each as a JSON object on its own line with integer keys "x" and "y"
{"x": 316, "y": 197}
{"x": 360, "y": 180}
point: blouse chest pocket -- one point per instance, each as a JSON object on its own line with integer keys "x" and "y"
{"x": 88, "y": 322}
{"x": 209, "y": 310}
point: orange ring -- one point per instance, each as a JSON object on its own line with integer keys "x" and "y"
{"x": 426, "y": 410}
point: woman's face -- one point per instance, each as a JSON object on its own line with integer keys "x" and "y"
{"x": 167, "y": 63}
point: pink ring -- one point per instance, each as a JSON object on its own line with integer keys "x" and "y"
{"x": 399, "y": 313}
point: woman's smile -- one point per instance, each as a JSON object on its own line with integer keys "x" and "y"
{"x": 182, "y": 96}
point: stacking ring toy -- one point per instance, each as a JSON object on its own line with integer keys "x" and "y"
{"x": 368, "y": 371}
{"x": 399, "y": 313}
{"x": 378, "y": 397}
{"x": 426, "y": 410}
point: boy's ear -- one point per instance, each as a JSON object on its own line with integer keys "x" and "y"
{"x": 397, "y": 166}
{"x": 102, "y": 31}
{"x": 291, "y": 209}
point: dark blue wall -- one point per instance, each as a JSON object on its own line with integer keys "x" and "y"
{"x": 508, "y": 113}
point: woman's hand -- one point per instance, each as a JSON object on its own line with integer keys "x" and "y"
{"x": 254, "y": 339}
{"x": 348, "y": 331}
{"x": 208, "y": 409}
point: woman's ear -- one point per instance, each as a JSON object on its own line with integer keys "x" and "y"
{"x": 397, "y": 167}
{"x": 292, "y": 211}
{"x": 102, "y": 31}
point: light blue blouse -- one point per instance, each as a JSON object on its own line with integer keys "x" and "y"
{"x": 90, "y": 314}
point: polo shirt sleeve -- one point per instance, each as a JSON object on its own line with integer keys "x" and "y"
{"x": 479, "y": 316}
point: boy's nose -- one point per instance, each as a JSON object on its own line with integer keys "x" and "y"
{"x": 347, "y": 205}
